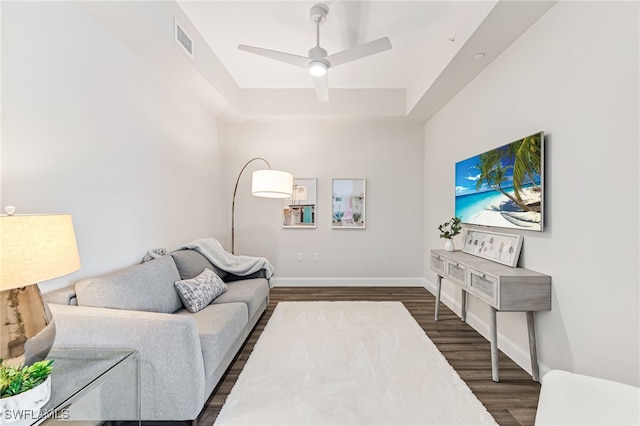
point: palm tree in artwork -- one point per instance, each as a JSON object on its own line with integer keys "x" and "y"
{"x": 524, "y": 157}
{"x": 494, "y": 173}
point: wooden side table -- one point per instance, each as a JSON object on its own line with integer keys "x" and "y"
{"x": 503, "y": 288}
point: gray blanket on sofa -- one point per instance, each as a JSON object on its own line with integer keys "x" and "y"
{"x": 234, "y": 264}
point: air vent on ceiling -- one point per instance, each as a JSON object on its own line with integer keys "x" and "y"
{"x": 183, "y": 38}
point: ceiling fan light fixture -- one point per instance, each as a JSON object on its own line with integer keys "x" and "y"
{"x": 317, "y": 68}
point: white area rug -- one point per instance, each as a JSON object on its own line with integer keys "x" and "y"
{"x": 348, "y": 363}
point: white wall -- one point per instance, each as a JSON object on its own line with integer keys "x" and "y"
{"x": 90, "y": 129}
{"x": 574, "y": 74}
{"x": 388, "y": 154}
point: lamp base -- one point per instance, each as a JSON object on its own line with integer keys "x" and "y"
{"x": 27, "y": 329}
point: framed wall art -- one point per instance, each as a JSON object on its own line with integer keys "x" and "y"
{"x": 501, "y": 248}
{"x": 348, "y": 206}
{"x": 503, "y": 187}
{"x": 299, "y": 211}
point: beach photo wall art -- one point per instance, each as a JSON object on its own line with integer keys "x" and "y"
{"x": 348, "y": 203}
{"x": 503, "y": 187}
{"x": 299, "y": 211}
{"x": 501, "y": 248}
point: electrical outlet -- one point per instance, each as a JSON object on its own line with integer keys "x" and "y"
{"x": 300, "y": 257}
{"x": 315, "y": 257}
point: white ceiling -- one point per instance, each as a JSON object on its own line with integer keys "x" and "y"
{"x": 420, "y": 33}
{"x": 431, "y": 60}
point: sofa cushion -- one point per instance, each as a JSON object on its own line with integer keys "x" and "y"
{"x": 145, "y": 287}
{"x": 251, "y": 292}
{"x": 219, "y": 326}
{"x": 198, "y": 292}
{"x": 191, "y": 263}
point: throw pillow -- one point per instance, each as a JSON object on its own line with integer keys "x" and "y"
{"x": 197, "y": 292}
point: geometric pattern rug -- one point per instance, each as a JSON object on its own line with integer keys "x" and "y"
{"x": 348, "y": 363}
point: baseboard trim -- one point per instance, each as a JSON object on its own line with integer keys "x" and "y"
{"x": 348, "y": 282}
{"x": 517, "y": 353}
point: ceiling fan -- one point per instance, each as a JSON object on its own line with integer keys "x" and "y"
{"x": 318, "y": 62}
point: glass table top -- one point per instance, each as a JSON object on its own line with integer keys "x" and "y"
{"x": 75, "y": 369}
{"x": 76, "y": 372}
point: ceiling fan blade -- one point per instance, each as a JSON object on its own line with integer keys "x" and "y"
{"x": 367, "y": 49}
{"x": 322, "y": 87}
{"x": 300, "y": 61}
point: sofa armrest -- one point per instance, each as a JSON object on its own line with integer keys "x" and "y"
{"x": 61, "y": 296}
{"x": 172, "y": 368}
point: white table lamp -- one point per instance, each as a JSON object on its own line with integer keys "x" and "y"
{"x": 33, "y": 248}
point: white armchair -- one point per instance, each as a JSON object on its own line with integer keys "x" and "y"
{"x": 573, "y": 399}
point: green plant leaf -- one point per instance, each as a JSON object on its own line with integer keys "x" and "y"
{"x": 16, "y": 380}
{"x": 450, "y": 228}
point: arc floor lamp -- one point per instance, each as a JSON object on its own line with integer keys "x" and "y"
{"x": 267, "y": 183}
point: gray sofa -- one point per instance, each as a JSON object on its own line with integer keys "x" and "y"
{"x": 183, "y": 355}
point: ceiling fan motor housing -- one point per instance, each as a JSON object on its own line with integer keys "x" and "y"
{"x": 317, "y": 53}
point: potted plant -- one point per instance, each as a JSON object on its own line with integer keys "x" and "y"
{"x": 337, "y": 216}
{"x": 448, "y": 230}
{"x": 23, "y": 388}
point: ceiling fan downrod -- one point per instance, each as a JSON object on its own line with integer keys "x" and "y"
{"x": 318, "y": 65}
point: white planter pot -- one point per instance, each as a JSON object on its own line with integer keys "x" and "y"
{"x": 449, "y": 245}
{"x": 26, "y": 404}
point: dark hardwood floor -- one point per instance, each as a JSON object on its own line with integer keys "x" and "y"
{"x": 512, "y": 401}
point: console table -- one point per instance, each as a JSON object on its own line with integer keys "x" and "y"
{"x": 503, "y": 288}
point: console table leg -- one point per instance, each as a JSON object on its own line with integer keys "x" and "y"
{"x": 494, "y": 346}
{"x": 438, "y": 287}
{"x": 463, "y": 313}
{"x": 533, "y": 349}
